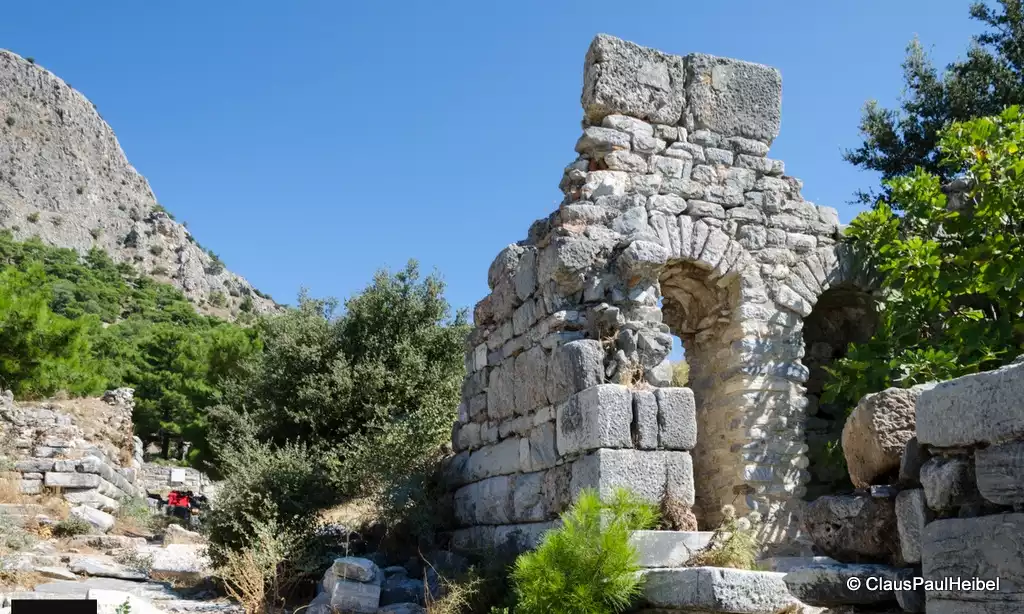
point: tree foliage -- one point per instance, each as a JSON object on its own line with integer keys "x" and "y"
{"x": 587, "y": 566}
{"x": 990, "y": 79}
{"x": 951, "y": 266}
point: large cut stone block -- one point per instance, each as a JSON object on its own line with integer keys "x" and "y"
{"x": 485, "y": 502}
{"x": 648, "y": 474}
{"x": 530, "y": 374}
{"x": 72, "y": 480}
{"x": 500, "y": 459}
{"x": 677, "y": 418}
{"x": 645, "y": 420}
{"x": 668, "y": 548}
{"x": 853, "y": 528}
{"x": 912, "y": 514}
{"x": 574, "y": 367}
{"x": 487, "y": 539}
{"x": 598, "y": 417}
{"x": 828, "y": 584}
{"x": 1000, "y": 473}
{"x": 716, "y": 589}
{"x": 622, "y": 77}
{"x": 734, "y": 98}
{"x": 876, "y": 434}
{"x": 978, "y": 408}
{"x": 986, "y": 547}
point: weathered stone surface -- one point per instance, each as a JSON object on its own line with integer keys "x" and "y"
{"x": 734, "y": 98}
{"x": 102, "y": 521}
{"x": 668, "y": 548}
{"x": 622, "y": 77}
{"x": 948, "y": 482}
{"x": 876, "y": 433}
{"x": 104, "y": 568}
{"x": 354, "y": 568}
{"x": 648, "y": 474}
{"x": 914, "y": 455}
{"x": 677, "y": 418}
{"x": 645, "y": 420}
{"x": 716, "y": 589}
{"x": 179, "y": 562}
{"x": 501, "y": 458}
{"x": 987, "y": 547}
{"x": 113, "y": 602}
{"x": 72, "y": 480}
{"x": 598, "y": 417}
{"x": 531, "y": 370}
{"x": 985, "y": 407}
{"x": 574, "y": 366}
{"x": 93, "y": 499}
{"x": 912, "y": 514}
{"x": 999, "y": 471}
{"x": 828, "y": 585}
{"x": 853, "y": 528}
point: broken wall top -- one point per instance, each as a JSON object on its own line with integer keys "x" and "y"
{"x": 697, "y": 91}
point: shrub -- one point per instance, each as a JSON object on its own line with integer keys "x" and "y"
{"x": 159, "y": 270}
{"x": 217, "y": 299}
{"x": 71, "y": 526}
{"x": 32, "y": 217}
{"x": 133, "y": 559}
{"x": 156, "y": 250}
{"x": 680, "y": 374}
{"x": 96, "y": 232}
{"x": 734, "y": 544}
{"x": 587, "y": 566}
{"x": 79, "y": 190}
{"x": 10, "y": 120}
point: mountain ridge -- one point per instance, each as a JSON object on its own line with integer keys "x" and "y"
{"x": 65, "y": 178}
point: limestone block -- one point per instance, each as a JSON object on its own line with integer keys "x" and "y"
{"x": 527, "y": 498}
{"x": 501, "y": 391}
{"x": 716, "y": 589}
{"x": 853, "y": 528}
{"x": 876, "y": 433}
{"x": 573, "y": 367}
{"x": 113, "y": 602}
{"x": 734, "y": 98}
{"x": 354, "y": 568}
{"x": 530, "y": 374}
{"x": 31, "y": 487}
{"x": 598, "y": 142}
{"x": 645, "y": 420}
{"x": 677, "y": 418}
{"x": 101, "y": 520}
{"x": 72, "y": 480}
{"x": 948, "y": 482}
{"x": 92, "y": 499}
{"x": 500, "y": 459}
{"x": 598, "y": 417}
{"x": 34, "y": 465}
{"x": 983, "y": 407}
{"x": 518, "y": 537}
{"x": 986, "y": 547}
{"x": 355, "y": 597}
{"x": 826, "y": 585}
{"x": 999, "y": 471}
{"x": 914, "y": 455}
{"x": 648, "y": 474}
{"x": 485, "y": 502}
{"x": 912, "y": 514}
{"x": 179, "y": 562}
{"x": 668, "y": 548}
{"x": 543, "y": 451}
{"x": 625, "y": 78}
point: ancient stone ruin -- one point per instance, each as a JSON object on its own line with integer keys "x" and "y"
{"x": 675, "y": 222}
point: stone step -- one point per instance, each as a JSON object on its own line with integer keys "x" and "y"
{"x": 659, "y": 549}
{"x": 788, "y": 563}
{"x": 829, "y": 584}
{"x": 716, "y": 589}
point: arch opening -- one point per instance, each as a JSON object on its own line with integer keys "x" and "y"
{"x": 843, "y": 315}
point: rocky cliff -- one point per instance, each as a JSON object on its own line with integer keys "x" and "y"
{"x": 65, "y": 179}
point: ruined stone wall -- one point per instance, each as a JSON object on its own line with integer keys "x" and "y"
{"x": 674, "y": 221}
{"x": 965, "y": 520}
{"x": 82, "y": 448}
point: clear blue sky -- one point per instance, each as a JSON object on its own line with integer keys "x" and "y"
{"x": 309, "y": 143}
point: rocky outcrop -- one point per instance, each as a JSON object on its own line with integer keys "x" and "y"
{"x": 66, "y": 180}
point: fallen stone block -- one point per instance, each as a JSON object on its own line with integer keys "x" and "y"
{"x": 57, "y": 573}
{"x": 876, "y": 433}
{"x": 93, "y": 499}
{"x": 175, "y": 534}
{"x": 912, "y": 514}
{"x": 853, "y": 528}
{"x": 830, "y": 585}
{"x": 179, "y": 562}
{"x": 668, "y": 548}
{"x": 102, "y": 521}
{"x": 973, "y": 409}
{"x": 716, "y": 589}
{"x": 999, "y": 471}
{"x": 103, "y": 567}
{"x": 986, "y": 547}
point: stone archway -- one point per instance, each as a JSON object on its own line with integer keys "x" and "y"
{"x": 844, "y": 314}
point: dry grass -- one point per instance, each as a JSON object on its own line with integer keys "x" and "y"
{"x": 676, "y": 515}
{"x": 353, "y": 514}
{"x": 14, "y": 578}
{"x": 10, "y": 488}
{"x": 456, "y": 597}
{"x": 734, "y": 544}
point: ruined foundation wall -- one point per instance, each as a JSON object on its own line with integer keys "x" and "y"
{"x": 674, "y": 221}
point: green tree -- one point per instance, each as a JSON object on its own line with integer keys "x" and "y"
{"x": 386, "y": 372}
{"x": 951, "y": 267}
{"x": 587, "y": 566}
{"x": 990, "y": 79}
